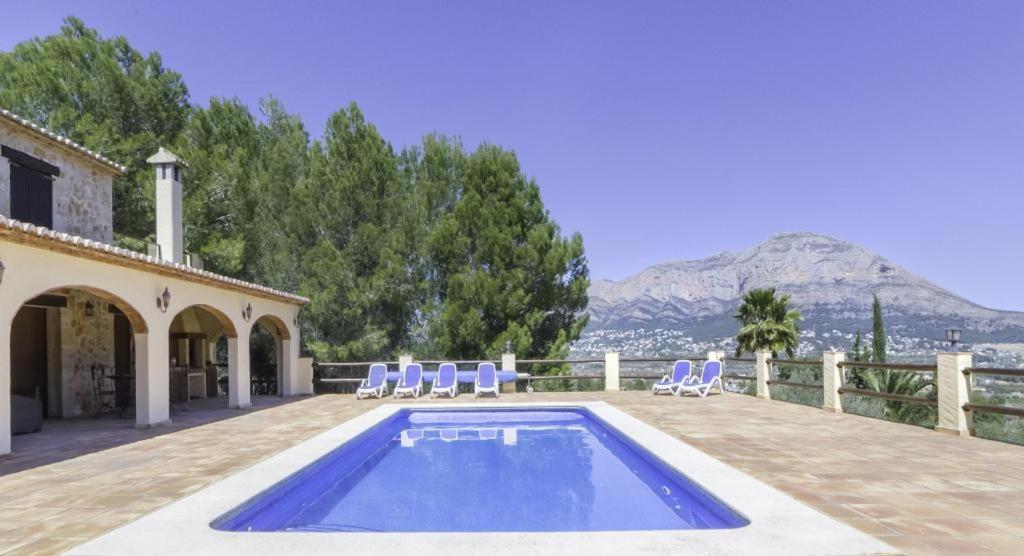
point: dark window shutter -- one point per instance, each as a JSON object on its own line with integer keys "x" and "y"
{"x": 31, "y": 196}
{"x": 42, "y": 200}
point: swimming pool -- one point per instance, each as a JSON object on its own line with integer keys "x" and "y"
{"x": 536, "y": 469}
{"x": 778, "y": 524}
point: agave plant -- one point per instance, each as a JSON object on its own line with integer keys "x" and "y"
{"x": 767, "y": 322}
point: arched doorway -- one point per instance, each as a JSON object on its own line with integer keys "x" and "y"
{"x": 198, "y": 354}
{"x": 72, "y": 353}
{"x": 267, "y": 355}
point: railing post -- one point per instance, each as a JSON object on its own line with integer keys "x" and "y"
{"x": 611, "y": 372}
{"x": 764, "y": 372}
{"x": 716, "y": 355}
{"x": 508, "y": 363}
{"x": 403, "y": 362}
{"x": 954, "y": 390}
{"x": 832, "y": 380}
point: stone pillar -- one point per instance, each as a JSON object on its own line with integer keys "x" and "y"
{"x": 611, "y": 372}
{"x": 286, "y": 363}
{"x": 152, "y": 380}
{"x": 239, "y": 396}
{"x": 508, "y": 363}
{"x": 716, "y": 355}
{"x": 211, "y": 349}
{"x": 764, "y": 372}
{"x": 5, "y": 383}
{"x": 184, "y": 354}
{"x": 304, "y": 376}
{"x": 282, "y": 375}
{"x": 403, "y": 362}
{"x": 832, "y": 378}
{"x": 954, "y": 391}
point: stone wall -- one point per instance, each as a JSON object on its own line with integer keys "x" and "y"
{"x": 82, "y": 194}
{"x": 84, "y": 341}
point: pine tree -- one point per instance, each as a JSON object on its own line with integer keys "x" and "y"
{"x": 878, "y": 339}
{"x": 503, "y": 270}
{"x": 346, "y": 220}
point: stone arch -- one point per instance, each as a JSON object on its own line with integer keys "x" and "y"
{"x": 227, "y": 326}
{"x": 275, "y": 325}
{"x": 63, "y": 346}
{"x": 136, "y": 319}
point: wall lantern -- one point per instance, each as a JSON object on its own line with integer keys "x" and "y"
{"x": 164, "y": 301}
{"x": 247, "y": 312}
{"x": 2, "y": 268}
{"x": 953, "y": 337}
{"x": 90, "y": 309}
{"x": 295, "y": 321}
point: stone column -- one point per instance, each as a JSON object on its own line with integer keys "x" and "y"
{"x": 152, "y": 380}
{"x": 282, "y": 375}
{"x": 611, "y": 372}
{"x": 403, "y": 362}
{"x": 184, "y": 354}
{"x": 832, "y": 378}
{"x": 287, "y": 361}
{"x": 304, "y": 376}
{"x": 5, "y": 383}
{"x": 954, "y": 391}
{"x": 508, "y": 363}
{"x": 239, "y": 396}
{"x": 764, "y": 372}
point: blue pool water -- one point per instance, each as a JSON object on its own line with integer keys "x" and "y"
{"x": 485, "y": 470}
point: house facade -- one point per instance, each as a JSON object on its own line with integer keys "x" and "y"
{"x": 89, "y": 327}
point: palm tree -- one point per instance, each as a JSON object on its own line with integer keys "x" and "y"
{"x": 767, "y": 322}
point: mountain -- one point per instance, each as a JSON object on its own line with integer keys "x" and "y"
{"x": 831, "y": 281}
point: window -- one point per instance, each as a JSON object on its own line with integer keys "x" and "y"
{"x": 31, "y": 188}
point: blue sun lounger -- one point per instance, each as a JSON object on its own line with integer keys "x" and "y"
{"x": 486, "y": 380}
{"x": 446, "y": 381}
{"x": 710, "y": 377}
{"x": 375, "y": 384}
{"x": 411, "y": 382}
{"x": 680, "y": 376}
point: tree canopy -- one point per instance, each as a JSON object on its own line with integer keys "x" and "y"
{"x": 432, "y": 249}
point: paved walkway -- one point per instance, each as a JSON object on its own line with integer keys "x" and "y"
{"x": 918, "y": 490}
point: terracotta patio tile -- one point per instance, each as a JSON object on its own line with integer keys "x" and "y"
{"x": 906, "y": 485}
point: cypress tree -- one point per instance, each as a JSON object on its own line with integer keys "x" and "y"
{"x": 878, "y": 348}
{"x": 857, "y": 353}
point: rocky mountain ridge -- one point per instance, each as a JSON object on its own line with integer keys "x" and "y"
{"x": 831, "y": 281}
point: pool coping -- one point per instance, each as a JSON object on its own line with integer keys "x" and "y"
{"x": 779, "y": 523}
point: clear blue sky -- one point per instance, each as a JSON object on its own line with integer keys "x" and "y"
{"x": 661, "y": 130}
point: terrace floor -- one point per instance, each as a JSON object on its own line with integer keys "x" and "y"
{"x": 918, "y": 490}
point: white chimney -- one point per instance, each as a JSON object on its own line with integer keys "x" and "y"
{"x": 168, "y": 204}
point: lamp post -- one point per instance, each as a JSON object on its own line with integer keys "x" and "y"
{"x": 953, "y": 337}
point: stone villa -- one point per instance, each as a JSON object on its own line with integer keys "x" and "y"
{"x": 92, "y": 327}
